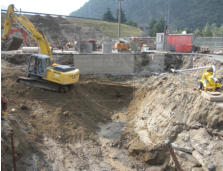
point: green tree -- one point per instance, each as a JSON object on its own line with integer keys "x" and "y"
{"x": 131, "y": 23}
{"x": 157, "y": 26}
{"x": 210, "y": 31}
{"x": 221, "y": 31}
{"x": 108, "y": 16}
{"x": 123, "y": 17}
{"x": 206, "y": 31}
{"x": 152, "y": 31}
{"x": 214, "y": 30}
{"x": 198, "y": 33}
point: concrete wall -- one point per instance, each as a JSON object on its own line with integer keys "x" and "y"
{"x": 156, "y": 63}
{"x": 147, "y": 62}
{"x": 119, "y": 64}
{"x": 105, "y": 63}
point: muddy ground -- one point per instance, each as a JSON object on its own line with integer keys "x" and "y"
{"x": 113, "y": 124}
{"x": 73, "y": 131}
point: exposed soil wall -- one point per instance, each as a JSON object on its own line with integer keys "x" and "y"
{"x": 165, "y": 106}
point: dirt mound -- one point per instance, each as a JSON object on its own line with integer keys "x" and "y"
{"x": 60, "y": 31}
{"x": 165, "y": 106}
{"x": 11, "y": 44}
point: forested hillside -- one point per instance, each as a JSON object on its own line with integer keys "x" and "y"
{"x": 188, "y": 14}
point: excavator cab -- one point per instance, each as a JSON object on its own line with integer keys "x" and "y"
{"x": 37, "y": 65}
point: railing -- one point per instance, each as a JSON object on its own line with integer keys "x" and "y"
{"x": 216, "y": 42}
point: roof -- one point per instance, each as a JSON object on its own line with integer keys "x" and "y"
{"x": 180, "y": 34}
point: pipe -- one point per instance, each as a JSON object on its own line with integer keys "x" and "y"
{"x": 190, "y": 69}
{"x": 214, "y": 73}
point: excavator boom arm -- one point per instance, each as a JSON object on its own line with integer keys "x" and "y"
{"x": 8, "y": 21}
{"x": 23, "y": 22}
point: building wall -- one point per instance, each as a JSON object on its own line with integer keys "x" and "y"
{"x": 180, "y": 43}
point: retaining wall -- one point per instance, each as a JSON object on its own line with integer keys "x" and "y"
{"x": 117, "y": 64}
{"x": 105, "y": 63}
{"x": 120, "y": 64}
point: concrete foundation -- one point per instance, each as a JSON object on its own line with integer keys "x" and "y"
{"x": 105, "y": 63}
{"x": 156, "y": 63}
{"x": 117, "y": 64}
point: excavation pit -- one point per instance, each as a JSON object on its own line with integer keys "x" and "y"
{"x": 105, "y": 120}
{"x": 62, "y": 123}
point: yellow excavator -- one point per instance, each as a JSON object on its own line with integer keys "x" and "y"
{"x": 42, "y": 72}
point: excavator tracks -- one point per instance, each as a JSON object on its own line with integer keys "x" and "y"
{"x": 42, "y": 84}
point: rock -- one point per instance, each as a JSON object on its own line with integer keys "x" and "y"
{"x": 136, "y": 146}
{"x": 181, "y": 148}
{"x": 23, "y": 107}
{"x": 195, "y": 125}
{"x": 197, "y": 169}
{"x": 58, "y": 111}
{"x": 186, "y": 138}
{"x": 199, "y": 158}
{"x": 211, "y": 167}
{"x": 154, "y": 168}
{"x": 200, "y": 140}
{"x": 188, "y": 158}
{"x": 66, "y": 113}
{"x": 148, "y": 157}
{"x": 75, "y": 125}
{"x": 114, "y": 157}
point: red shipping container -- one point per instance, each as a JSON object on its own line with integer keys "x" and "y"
{"x": 180, "y": 43}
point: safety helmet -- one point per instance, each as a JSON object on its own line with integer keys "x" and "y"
{"x": 210, "y": 69}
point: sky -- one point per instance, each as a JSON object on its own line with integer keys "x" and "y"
{"x": 63, "y": 7}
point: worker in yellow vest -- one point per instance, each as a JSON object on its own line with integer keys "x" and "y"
{"x": 209, "y": 82}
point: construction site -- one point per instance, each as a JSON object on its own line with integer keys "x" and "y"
{"x": 77, "y": 100}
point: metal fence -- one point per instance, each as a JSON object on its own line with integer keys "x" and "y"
{"x": 216, "y": 42}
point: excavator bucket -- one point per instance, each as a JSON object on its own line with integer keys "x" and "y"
{"x": 11, "y": 44}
